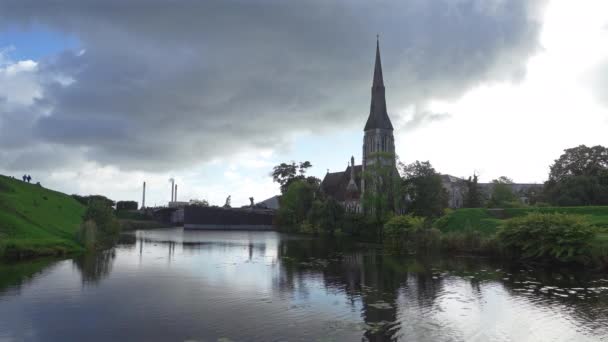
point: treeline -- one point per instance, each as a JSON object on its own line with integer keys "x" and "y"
{"x": 579, "y": 177}
{"x": 405, "y": 209}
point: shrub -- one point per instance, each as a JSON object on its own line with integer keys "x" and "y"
{"x": 107, "y": 226}
{"x": 408, "y": 233}
{"x": 556, "y": 236}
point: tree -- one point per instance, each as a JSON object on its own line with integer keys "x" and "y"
{"x": 126, "y": 205}
{"x": 296, "y": 203}
{"x": 199, "y": 203}
{"x": 285, "y": 174}
{"x": 472, "y": 197}
{"x": 502, "y": 195}
{"x": 382, "y": 192}
{"x": 422, "y": 184}
{"x": 579, "y": 177}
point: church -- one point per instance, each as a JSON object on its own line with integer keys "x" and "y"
{"x": 348, "y": 186}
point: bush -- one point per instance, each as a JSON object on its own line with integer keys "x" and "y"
{"x": 126, "y": 205}
{"x": 361, "y": 226}
{"x": 99, "y": 218}
{"x": 555, "y": 236}
{"x": 408, "y": 233}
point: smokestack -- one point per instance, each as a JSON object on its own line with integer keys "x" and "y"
{"x": 175, "y": 198}
{"x": 172, "y": 188}
{"x": 143, "y": 199}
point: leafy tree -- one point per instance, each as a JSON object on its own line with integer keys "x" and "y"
{"x": 100, "y": 224}
{"x": 126, "y": 205}
{"x": 580, "y": 161}
{"x": 579, "y": 177}
{"x": 296, "y": 203}
{"x": 502, "y": 195}
{"x": 472, "y": 197}
{"x": 422, "y": 184}
{"x": 286, "y": 173}
{"x": 327, "y": 215}
{"x": 382, "y": 192}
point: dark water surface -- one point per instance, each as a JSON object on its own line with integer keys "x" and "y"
{"x": 171, "y": 285}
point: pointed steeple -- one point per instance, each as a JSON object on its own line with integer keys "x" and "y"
{"x": 378, "y": 117}
{"x": 378, "y": 79}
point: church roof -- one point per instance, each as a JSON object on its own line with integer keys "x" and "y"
{"x": 335, "y": 183}
{"x": 378, "y": 117}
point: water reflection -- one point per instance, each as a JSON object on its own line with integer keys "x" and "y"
{"x": 260, "y": 286}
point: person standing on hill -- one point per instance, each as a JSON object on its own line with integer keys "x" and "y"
{"x": 24, "y": 178}
{"x": 29, "y": 178}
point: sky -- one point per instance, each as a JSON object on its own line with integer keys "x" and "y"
{"x": 98, "y": 97}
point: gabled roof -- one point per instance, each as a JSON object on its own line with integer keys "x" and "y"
{"x": 378, "y": 117}
{"x": 335, "y": 183}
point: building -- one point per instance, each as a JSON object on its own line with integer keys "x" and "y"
{"x": 456, "y": 189}
{"x": 348, "y": 186}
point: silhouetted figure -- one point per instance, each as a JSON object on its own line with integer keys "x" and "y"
{"x": 29, "y": 178}
{"x": 25, "y": 178}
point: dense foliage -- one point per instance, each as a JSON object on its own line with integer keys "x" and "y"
{"x": 126, "y": 205}
{"x": 382, "y": 187}
{"x": 423, "y": 186}
{"x": 556, "y": 236}
{"x": 502, "y": 195}
{"x": 473, "y": 197}
{"x": 287, "y": 173}
{"x": 579, "y": 177}
{"x": 406, "y": 233}
{"x": 100, "y": 228}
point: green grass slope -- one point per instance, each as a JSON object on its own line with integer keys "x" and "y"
{"x": 487, "y": 221}
{"x": 37, "y": 221}
{"x": 470, "y": 218}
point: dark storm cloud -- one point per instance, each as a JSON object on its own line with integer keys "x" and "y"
{"x": 167, "y": 84}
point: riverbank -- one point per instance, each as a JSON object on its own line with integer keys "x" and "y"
{"x": 556, "y": 232}
{"x": 35, "y": 221}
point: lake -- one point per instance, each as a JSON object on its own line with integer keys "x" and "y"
{"x": 175, "y": 285}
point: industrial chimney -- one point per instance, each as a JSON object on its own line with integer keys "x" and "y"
{"x": 143, "y": 199}
{"x": 175, "y": 198}
{"x": 172, "y": 187}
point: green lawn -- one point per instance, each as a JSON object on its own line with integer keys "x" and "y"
{"x": 37, "y": 221}
{"x": 470, "y": 218}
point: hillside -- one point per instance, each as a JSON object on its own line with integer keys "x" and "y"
{"x": 37, "y": 221}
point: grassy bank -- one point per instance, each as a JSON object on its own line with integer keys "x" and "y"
{"x": 476, "y": 230}
{"x": 35, "y": 221}
{"x": 487, "y": 221}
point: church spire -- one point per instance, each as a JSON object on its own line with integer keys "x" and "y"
{"x": 378, "y": 79}
{"x": 378, "y": 117}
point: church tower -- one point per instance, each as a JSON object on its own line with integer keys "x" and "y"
{"x": 378, "y": 136}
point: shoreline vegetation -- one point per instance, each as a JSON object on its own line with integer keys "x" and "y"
{"x": 38, "y": 222}
{"x": 544, "y": 236}
{"x": 563, "y": 221}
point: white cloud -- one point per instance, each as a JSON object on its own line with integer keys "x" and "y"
{"x": 519, "y": 129}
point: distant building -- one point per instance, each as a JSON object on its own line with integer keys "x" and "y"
{"x": 457, "y": 188}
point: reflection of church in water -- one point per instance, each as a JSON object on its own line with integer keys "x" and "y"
{"x": 348, "y": 186}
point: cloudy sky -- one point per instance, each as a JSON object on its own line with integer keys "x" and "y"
{"x": 98, "y": 96}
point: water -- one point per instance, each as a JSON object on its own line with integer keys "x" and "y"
{"x": 171, "y": 285}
